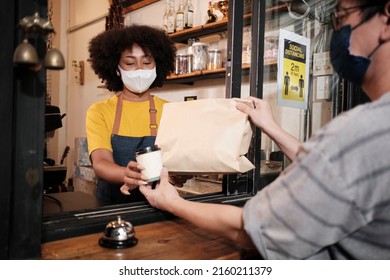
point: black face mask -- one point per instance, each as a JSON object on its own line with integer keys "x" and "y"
{"x": 349, "y": 67}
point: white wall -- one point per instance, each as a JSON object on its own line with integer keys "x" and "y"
{"x": 58, "y": 84}
{"x": 81, "y": 20}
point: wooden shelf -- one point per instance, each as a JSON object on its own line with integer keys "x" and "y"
{"x": 190, "y": 78}
{"x": 215, "y": 27}
{"x": 211, "y": 29}
{"x": 203, "y": 30}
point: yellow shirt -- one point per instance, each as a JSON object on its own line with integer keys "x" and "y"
{"x": 135, "y": 121}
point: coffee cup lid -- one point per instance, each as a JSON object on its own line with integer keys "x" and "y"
{"x": 147, "y": 150}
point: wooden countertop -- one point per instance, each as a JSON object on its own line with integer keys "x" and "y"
{"x": 167, "y": 240}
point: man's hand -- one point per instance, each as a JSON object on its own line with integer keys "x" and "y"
{"x": 261, "y": 113}
{"x": 164, "y": 195}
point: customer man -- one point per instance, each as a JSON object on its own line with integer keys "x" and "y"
{"x": 333, "y": 201}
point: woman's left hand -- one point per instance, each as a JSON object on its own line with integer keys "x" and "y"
{"x": 133, "y": 177}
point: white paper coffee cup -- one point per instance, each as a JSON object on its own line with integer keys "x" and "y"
{"x": 150, "y": 159}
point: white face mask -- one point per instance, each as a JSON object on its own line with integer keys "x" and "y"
{"x": 138, "y": 81}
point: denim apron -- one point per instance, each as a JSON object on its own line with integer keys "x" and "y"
{"x": 124, "y": 148}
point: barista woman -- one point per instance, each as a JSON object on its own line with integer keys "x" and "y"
{"x": 130, "y": 61}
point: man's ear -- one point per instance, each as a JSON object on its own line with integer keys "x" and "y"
{"x": 387, "y": 11}
{"x": 385, "y": 34}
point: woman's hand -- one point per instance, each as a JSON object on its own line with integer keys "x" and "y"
{"x": 133, "y": 177}
{"x": 164, "y": 195}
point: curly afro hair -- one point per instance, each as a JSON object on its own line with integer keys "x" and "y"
{"x": 106, "y": 48}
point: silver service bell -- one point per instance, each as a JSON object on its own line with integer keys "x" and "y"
{"x": 118, "y": 234}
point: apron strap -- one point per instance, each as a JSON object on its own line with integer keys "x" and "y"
{"x": 152, "y": 114}
{"x": 118, "y": 114}
{"x": 153, "y": 119}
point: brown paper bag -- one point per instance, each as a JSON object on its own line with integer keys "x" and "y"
{"x": 205, "y": 136}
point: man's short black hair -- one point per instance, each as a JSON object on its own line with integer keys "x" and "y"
{"x": 106, "y": 48}
{"x": 373, "y": 7}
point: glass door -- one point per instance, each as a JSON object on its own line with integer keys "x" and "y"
{"x": 279, "y": 51}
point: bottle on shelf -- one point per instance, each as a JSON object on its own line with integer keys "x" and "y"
{"x": 165, "y": 17}
{"x": 190, "y": 42}
{"x": 246, "y": 45}
{"x": 171, "y": 17}
{"x": 210, "y": 13}
{"x": 180, "y": 16}
{"x": 188, "y": 15}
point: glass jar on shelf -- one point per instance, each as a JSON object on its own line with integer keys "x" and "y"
{"x": 214, "y": 60}
{"x": 270, "y": 49}
{"x": 181, "y": 64}
{"x": 200, "y": 52}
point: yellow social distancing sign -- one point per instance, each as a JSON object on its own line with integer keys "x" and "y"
{"x": 293, "y": 74}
